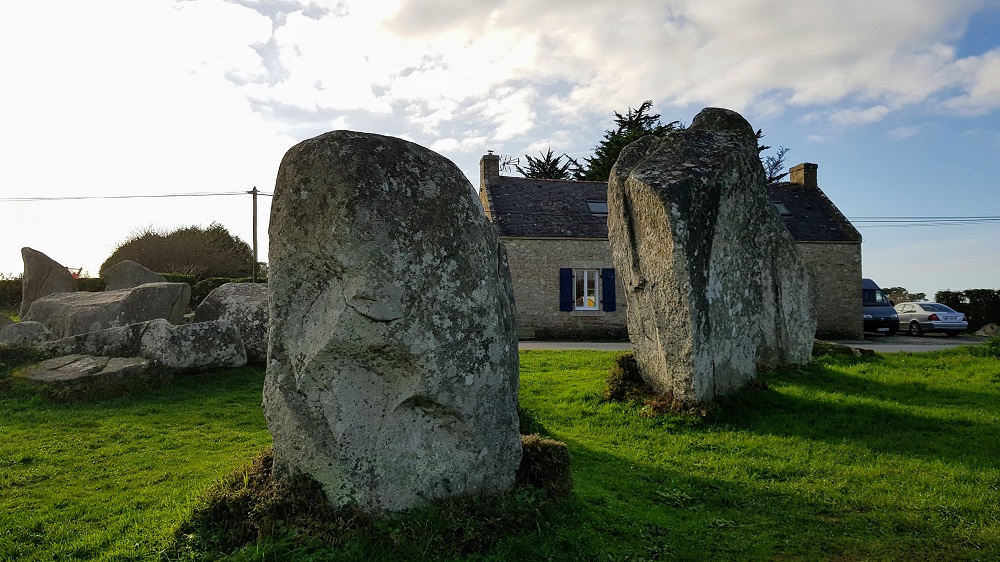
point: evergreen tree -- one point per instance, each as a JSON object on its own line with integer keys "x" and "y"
{"x": 546, "y": 167}
{"x": 632, "y": 126}
{"x": 773, "y": 164}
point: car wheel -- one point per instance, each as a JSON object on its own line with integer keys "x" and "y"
{"x": 952, "y": 334}
{"x": 915, "y": 329}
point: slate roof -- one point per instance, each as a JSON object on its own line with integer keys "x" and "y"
{"x": 525, "y": 207}
{"x": 535, "y": 208}
{"x": 812, "y": 216}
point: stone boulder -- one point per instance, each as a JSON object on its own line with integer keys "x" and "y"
{"x": 989, "y": 330}
{"x": 128, "y": 274}
{"x": 188, "y": 347}
{"x": 74, "y": 377}
{"x": 42, "y": 276}
{"x": 715, "y": 285}
{"x": 245, "y": 306}
{"x": 24, "y": 333}
{"x": 392, "y": 370}
{"x": 67, "y": 314}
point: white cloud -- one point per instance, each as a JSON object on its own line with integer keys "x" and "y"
{"x": 982, "y": 79}
{"x": 859, "y": 116}
{"x": 900, "y": 133}
{"x": 195, "y": 96}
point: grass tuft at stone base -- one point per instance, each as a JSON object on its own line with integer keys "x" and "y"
{"x": 545, "y": 465}
{"x": 249, "y": 507}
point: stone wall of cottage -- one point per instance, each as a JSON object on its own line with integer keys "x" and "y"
{"x": 838, "y": 288}
{"x": 534, "y": 270}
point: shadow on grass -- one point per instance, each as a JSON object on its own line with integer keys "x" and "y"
{"x": 905, "y": 418}
{"x": 626, "y": 510}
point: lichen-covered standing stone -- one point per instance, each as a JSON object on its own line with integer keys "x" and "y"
{"x": 392, "y": 366}
{"x": 715, "y": 285}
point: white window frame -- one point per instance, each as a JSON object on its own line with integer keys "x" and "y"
{"x": 585, "y": 281}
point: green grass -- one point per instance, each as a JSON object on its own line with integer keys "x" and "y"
{"x": 11, "y": 313}
{"x": 896, "y": 458}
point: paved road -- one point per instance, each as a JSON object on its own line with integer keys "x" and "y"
{"x": 881, "y": 344}
{"x": 564, "y": 345}
{"x": 913, "y": 344}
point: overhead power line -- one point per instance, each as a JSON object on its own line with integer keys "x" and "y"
{"x": 160, "y": 196}
{"x": 898, "y": 222}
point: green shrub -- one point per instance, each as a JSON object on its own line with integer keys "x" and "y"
{"x": 989, "y": 348}
{"x": 10, "y": 293}
{"x": 193, "y": 250}
{"x": 180, "y": 278}
{"x": 90, "y": 284}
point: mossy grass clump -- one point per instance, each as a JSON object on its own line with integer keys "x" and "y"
{"x": 624, "y": 384}
{"x": 545, "y": 465}
{"x": 291, "y": 515}
{"x": 13, "y": 357}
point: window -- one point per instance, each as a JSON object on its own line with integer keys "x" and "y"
{"x": 597, "y": 207}
{"x": 782, "y": 209}
{"x": 587, "y": 289}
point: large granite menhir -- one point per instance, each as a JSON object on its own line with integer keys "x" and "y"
{"x": 392, "y": 366}
{"x": 715, "y": 285}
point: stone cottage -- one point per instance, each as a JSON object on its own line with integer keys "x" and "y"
{"x": 565, "y": 286}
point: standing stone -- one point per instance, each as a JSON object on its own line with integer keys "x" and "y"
{"x": 128, "y": 274}
{"x": 42, "y": 276}
{"x": 715, "y": 285}
{"x": 245, "y": 306}
{"x": 392, "y": 370}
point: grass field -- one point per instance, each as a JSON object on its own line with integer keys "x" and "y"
{"x": 891, "y": 458}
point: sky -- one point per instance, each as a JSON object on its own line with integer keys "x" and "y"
{"x": 898, "y": 103}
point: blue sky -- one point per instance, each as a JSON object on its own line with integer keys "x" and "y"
{"x": 897, "y": 102}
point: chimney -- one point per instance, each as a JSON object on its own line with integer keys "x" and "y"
{"x": 803, "y": 174}
{"x": 489, "y": 168}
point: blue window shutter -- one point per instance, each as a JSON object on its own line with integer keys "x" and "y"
{"x": 608, "y": 289}
{"x": 566, "y": 289}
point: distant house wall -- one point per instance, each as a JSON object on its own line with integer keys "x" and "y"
{"x": 534, "y": 270}
{"x": 838, "y": 288}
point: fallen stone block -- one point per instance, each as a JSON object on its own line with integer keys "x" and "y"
{"x": 67, "y": 314}
{"x": 188, "y": 347}
{"x": 245, "y": 306}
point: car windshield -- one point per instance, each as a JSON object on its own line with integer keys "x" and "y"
{"x": 873, "y": 297}
{"x": 934, "y": 307}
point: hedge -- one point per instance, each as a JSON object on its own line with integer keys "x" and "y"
{"x": 981, "y": 306}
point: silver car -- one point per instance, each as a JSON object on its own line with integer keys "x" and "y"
{"x": 920, "y": 317}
